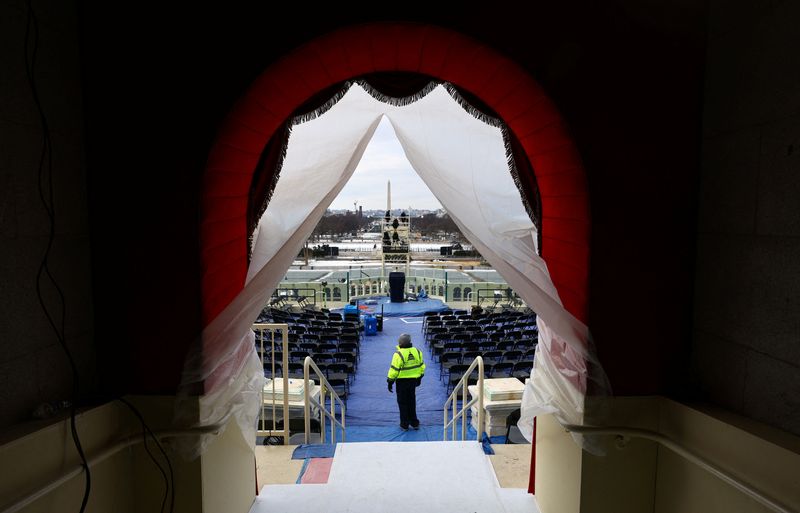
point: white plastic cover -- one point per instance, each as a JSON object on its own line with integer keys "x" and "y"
{"x": 463, "y": 161}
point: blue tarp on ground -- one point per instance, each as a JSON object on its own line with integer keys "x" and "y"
{"x": 372, "y": 413}
{"x": 405, "y": 309}
{"x": 388, "y": 434}
{"x": 299, "y": 479}
{"x": 370, "y": 403}
{"x": 304, "y": 451}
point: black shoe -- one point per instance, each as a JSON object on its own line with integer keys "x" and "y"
{"x": 415, "y": 426}
{"x": 404, "y": 428}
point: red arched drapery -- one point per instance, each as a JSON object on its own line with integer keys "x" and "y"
{"x": 500, "y": 83}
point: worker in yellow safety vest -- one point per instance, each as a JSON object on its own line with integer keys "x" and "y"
{"x": 407, "y": 370}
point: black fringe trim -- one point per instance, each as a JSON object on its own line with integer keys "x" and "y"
{"x": 398, "y": 102}
{"x": 512, "y": 164}
{"x": 322, "y": 109}
{"x": 287, "y": 133}
{"x": 402, "y": 101}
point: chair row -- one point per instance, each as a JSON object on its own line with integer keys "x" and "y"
{"x": 325, "y": 337}
{"x": 314, "y": 347}
{"x": 512, "y": 355}
{"x": 315, "y": 333}
{"x": 307, "y": 315}
{"x": 480, "y": 322}
{"x": 477, "y": 336}
{"x": 521, "y": 370}
{"x": 332, "y": 327}
{"x": 300, "y": 354}
{"x": 503, "y": 345}
{"x": 463, "y": 316}
{"x": 338, "y": 377}
{"x": 303, "y": 326}
{"x": 469, "y": 327}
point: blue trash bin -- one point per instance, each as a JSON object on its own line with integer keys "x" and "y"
{"x": 370, "y": 325}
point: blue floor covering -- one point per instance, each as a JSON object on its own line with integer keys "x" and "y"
{"x": 395, "y": 434}
{"x": 386, "y": 434}
{"x": 404, "y": 309}
{"x": 371, "y": 410}
{"x": 371, "y": 405}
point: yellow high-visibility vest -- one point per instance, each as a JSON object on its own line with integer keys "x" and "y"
{"x": 406, "y": 363}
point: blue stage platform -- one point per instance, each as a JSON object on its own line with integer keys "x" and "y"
{"x": 405, "y": 309}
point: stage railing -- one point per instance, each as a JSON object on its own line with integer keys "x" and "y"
{"x": 465, "y": 406}
{"x": 324, "y": 388}
{"x": 267, "y": 332}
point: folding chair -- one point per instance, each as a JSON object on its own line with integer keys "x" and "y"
{"x": 513, "y": 434}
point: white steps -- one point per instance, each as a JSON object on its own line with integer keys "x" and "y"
{"x": 399, "y": 477}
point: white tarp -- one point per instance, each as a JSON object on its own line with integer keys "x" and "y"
{"x": 463, "y": 161}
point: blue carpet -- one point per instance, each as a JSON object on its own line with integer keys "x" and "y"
{"x": 405, "y": 309}
{"x": 388, "y": 434}
{"x": 424, "y": 434}
{"x": 371, "y": 404}
{"x": 391, "y": 434}
{"x": 304, "y": 451}
{"x": 372, "y": 413}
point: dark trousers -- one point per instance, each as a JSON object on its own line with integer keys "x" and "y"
{"x": 407, "y": 401}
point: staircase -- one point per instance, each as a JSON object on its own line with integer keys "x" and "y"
{"x": 391, "y": 477}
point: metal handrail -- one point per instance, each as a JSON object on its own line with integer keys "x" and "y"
{"x": 263, "y": 328}
{"x": 324, "y": 387}
{"x": 622, "y": 432}
{"x": 478, "y": 362}
{"x": 103, "y": 455}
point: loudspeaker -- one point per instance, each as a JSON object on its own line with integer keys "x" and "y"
{"x": 397, "y": 284}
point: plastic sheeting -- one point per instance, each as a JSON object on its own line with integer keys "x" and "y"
{"x": 461, "y": 155}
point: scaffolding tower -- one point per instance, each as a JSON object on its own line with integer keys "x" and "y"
{"x": 395, "y": 246}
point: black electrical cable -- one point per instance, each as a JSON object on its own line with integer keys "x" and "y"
{"x": 160, "y": 469}
{"x": 169, "y": 485}
{"x": 45, "y": 170}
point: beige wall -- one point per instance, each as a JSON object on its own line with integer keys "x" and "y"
{"x": 29, "y": 461}
{"x": 229, "y": 474}
{"x": 635, "y": 478}
{"x": 766, "y": 458}
{"x": 623, "y": 480}
{"x": 558, "y": 468}
{"x": 643, "y": 477}
{"x": 147, "y": 481}
{"x": 220, "y": 481}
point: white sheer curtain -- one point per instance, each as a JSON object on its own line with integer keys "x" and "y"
{"x": 463, "y": 161}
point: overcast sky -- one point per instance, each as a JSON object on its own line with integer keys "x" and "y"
{"x": 384, "y": 160}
